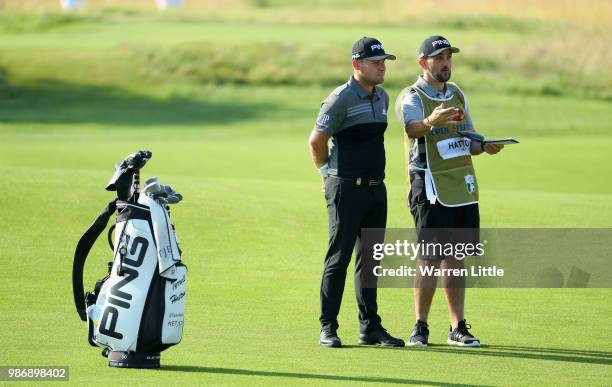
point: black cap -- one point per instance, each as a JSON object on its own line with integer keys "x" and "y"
{"x": 434, "y": 45}
{"x": 370, "y": 48}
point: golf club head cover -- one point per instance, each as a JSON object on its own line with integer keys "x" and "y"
{"x": 124, "y": 173}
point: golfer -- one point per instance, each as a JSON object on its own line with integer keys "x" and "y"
{"x": 443, "y": 188}
{"x": 354, "y": 117}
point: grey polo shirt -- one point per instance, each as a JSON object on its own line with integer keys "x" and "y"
{"x": 412, "y": 109}
{"x": 356, "y": 122}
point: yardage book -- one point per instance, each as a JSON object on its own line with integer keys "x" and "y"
{"x": 480, "y": 138}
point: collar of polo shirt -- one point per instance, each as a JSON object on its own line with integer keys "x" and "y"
{"x": 430, "y": 90}
{"x": 360, "y": 90}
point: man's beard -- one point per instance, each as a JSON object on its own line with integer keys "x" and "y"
{"x": 441, "y": 77}
{"x": 376, "y": 80}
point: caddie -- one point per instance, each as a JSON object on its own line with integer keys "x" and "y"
{"x": 443, "y": 186}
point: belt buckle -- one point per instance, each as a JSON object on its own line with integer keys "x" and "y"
{"x": 358, "y": 181}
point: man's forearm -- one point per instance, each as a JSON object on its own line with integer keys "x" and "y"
{"x": 318, "y": 148}
{"x": 418, "y": 128}
{"x": 319, "y": 155}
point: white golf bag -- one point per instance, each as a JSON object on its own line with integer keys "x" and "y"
{"x": 137, "y": 310}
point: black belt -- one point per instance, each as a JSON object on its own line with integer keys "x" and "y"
{"x": 360, "y": 180}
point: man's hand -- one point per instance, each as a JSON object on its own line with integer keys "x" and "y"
{"x": 442, "y": 116}
{"x": 493, "y": 148}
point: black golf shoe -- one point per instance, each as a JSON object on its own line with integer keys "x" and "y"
{"x": 329, "y": 338}
{"x": 380, "y": 337}
{"x": 420, "y": 335}
{"x": 461, "y": 336}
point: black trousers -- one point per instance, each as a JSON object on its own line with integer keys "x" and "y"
{"x": 350, "y": 208}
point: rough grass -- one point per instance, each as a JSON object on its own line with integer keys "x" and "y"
{"x": 469, "y": 12}
{"x": 19, "y": 22}
{"x": 535, "y": 69}
{"x": 499, "y": 52}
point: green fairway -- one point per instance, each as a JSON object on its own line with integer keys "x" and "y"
{"x": 77, "y": 98}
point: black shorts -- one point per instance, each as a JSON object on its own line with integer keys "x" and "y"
{"x": 459, "y": 224}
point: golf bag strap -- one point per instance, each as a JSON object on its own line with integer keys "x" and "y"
{"x": 80, "y": 255}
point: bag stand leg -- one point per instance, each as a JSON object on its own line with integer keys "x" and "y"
{"x": 128, "y": 359}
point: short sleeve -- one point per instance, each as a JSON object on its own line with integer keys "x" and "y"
{"x": 331, "y": 115}
{"x": 412, "y": 108}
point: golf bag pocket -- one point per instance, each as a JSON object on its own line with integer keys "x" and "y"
{"x": 174, "y": 311}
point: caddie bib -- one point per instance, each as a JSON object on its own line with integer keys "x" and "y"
{"x": 449, "y": 162}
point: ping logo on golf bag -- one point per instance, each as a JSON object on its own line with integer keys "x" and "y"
{"x": 110, "y": 315}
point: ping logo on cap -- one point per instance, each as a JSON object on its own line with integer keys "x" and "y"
{"x": 366, "y": 48}
{"x": 434, "y": 45}
{"x": 441, "y": 42}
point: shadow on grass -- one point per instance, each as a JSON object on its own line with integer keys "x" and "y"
{"x": 53, "y": 101}
{"x": 520, "y": 352}
{"x": 601, "y": 354}
{"x": 374, "y": 346}
{"x": 298, "y": 375}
